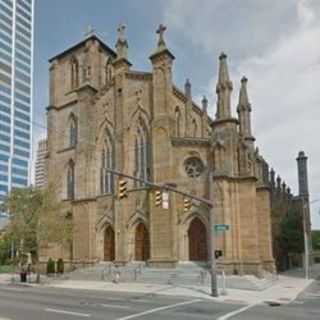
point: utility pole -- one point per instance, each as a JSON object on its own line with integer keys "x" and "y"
{"x": 209, "y": 203}
{"x": 212, "y": 245}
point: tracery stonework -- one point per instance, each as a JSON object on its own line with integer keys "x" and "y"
{"x": 142, "y": 124}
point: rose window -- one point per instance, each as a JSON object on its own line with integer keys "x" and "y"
{"x": 193, "y": 167}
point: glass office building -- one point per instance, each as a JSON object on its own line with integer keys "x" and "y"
{"x": 16, "y": 64}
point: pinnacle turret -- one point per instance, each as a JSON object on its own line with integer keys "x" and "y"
{"x": 187, "y": 89}
{"x": 244, "y": 110}
{"x": 122, "y": 43}
{"x": 223, "y": 89}
{"x": 204, "y": 103}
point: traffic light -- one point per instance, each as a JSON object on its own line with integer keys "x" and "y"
{"x": 122, "y": 189}
{"x": 158, "y": 198}
{"x": 187, "y": 203}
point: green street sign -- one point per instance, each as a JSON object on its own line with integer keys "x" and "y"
{"x": 221, "y": 227}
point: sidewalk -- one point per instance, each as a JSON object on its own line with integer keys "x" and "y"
{"x": 286, "y": 288}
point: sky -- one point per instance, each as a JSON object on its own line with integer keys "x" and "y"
{"x": 275, "y": 44}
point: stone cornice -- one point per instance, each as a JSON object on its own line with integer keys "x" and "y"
{"x": 234, "y": 178}
{"x": 200, "y": 142}
{"x": 66, "y": 105}
{"x": 160, "y": 53}
{"x": 139, "y": 75}
{"x": 66, "y": 149}
{"x": 223, "y": 121}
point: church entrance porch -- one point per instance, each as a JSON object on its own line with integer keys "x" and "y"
{"x": 197, "y": 234}
{"x": 109, "y": 245}
{"x": 142, "y": 247}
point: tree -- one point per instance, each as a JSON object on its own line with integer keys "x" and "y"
{"x": 315, "y": 239}
{"x": 36, "y": 216}
{"x": 291, "y": 238}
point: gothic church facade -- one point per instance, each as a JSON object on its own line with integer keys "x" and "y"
{"x": 104, "y": 114}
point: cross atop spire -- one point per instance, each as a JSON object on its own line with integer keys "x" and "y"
{"x": 160, "y": 31}
{"x": 90, "y": 31}
{"x": 122, "y": 43}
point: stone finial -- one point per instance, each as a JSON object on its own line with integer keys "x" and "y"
{"x": 284, "y": 187}
{"x": 187, "y": 88}
{"x": 223, "y": 77}
{"x": 223, "y": 90}
{"x": 122, "y": 43}
{"x": 160, "y": 31}
{"x": 204, "y": 103}
{"x": 278, "y": 182}
{"x": 272, "y": 177}
{"x": 243, "y": 95}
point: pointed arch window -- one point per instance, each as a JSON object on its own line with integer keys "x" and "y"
{"x": 108, "y": 71}
{"x": 178, "y": 122}
{"x": 142, "y": 169}
{"x": 71, "y": 181}
{"x": 74, "y": 73}
{"x": 73, "y": 131}
{"x": 107, "y": 161}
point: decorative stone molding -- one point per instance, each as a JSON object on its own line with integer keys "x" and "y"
{"x": 200, "y": 142}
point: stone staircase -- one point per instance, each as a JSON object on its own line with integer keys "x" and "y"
{"x": 185, "y": 274}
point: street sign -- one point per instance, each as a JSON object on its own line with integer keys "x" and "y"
{"x": 221, "y": 227}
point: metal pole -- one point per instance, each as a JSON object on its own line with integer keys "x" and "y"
{"x": 306, "y": 244}
{"x": 212, "y": 245}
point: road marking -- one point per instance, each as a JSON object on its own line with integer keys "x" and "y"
{"x": 233, "y": 313}
{"x": 85, "y": 315}
{"x": 116, "y": 306}
{"x": 171, "y": 306}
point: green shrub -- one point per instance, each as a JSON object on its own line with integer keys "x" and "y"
{"x": 60, "y": 266}
{"x": 50, "y": 266}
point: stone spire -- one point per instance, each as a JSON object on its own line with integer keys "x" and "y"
{"x": 223, "y": 89}
{"x": 278, "y": 183}
{"x": 204, "y": 103}
{"x": 188, "y": 108}
{"x": 187, "y": 89}
{"x": 272, "y": 178}
{"x": 244, "y": 113}
{"x": 122, "y": 43}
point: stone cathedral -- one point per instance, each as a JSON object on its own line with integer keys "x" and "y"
{"x": 104, "y": 114}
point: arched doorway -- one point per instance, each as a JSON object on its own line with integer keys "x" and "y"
{"x": 197, "y": 235}
{"x": 109, "y": 244}
{"x": 141, "y": 243}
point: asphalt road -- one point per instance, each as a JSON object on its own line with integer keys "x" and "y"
{"x": 25, "y": 303}
{"x": 305, "y": 307}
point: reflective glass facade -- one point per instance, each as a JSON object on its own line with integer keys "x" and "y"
{"x": 16, "y": 56}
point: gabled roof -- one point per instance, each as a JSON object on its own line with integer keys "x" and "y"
{"x": 81, "y": 44}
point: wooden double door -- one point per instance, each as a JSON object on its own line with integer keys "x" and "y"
{"x": 197, "y": 234}
{"x": 109, "y": 244}
{"x": 142, "y": 243}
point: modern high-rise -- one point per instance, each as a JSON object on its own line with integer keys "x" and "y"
{"x": 40, "y": 167}
{"x": 16, "y": 64}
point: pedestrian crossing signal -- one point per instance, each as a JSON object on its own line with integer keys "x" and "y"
{"x": 158, "y": 198}
{"x": 187, "y": 203}
{"x": 122, "y": 189}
